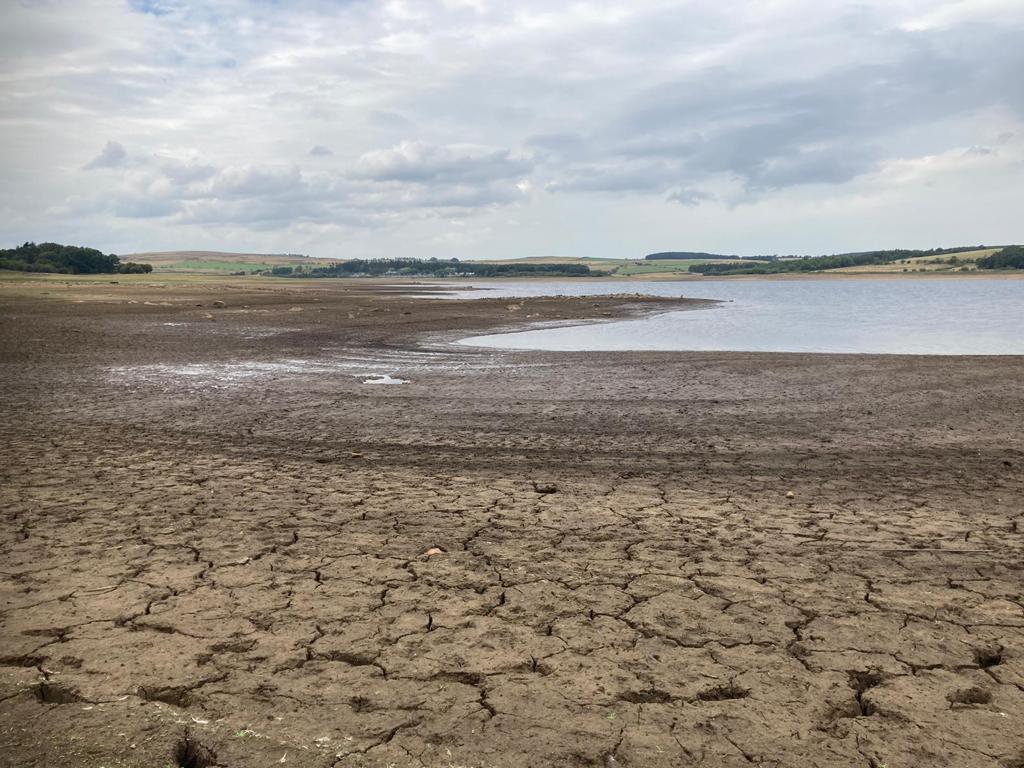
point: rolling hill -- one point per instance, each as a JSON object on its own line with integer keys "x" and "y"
{"x": 216, "y": 262}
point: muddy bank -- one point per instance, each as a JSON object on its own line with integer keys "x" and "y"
{"x": 221, "y": 547}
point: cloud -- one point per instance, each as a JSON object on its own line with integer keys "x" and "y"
{"x": 181, "y": 172}
{"x": 113, "y": 155}
{"x": 526, "y": 122}
{"x": 415, "y": 161}
{"x": 691, "y": 198}
{"x": 636, "y": 176}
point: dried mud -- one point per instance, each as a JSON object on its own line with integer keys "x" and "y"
{"x": 221, "y": 548}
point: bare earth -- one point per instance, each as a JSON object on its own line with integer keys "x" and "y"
{"x": 220, "y": 547}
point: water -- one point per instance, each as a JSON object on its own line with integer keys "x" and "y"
{"x": 975, "y": 316}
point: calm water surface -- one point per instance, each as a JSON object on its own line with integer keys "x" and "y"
{"x": 976, "y": 316}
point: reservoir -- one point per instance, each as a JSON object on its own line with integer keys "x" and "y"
{"x": 937, "y": 316}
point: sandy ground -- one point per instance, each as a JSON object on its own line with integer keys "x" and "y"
{"x": 221, "y": 548}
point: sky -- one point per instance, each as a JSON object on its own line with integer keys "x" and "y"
{"x": 488, "y": 129}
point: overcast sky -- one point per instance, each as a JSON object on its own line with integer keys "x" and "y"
{"x": 480, "y": 128}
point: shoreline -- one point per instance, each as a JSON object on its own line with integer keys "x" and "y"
{"x": 12, "y": 277}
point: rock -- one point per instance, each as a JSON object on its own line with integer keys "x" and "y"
{"x": 219, "y": 303}
{"x": 434, "y": 551}
{"x": 790, "y": 495}
{"x": 544, "y": 487}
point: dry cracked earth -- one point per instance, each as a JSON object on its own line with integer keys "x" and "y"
{"x": 222, "y": 548}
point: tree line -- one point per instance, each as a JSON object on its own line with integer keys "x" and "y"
{"x": 66, "y": 259}
{"x": 433, "y": 268}
{"x": 821, "y": 263}
{"x": 1011, "y": 257}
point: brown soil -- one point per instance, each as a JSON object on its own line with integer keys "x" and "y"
{"x": 221, "y": 548}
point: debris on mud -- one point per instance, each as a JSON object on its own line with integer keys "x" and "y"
{"x": 385, "y": 379}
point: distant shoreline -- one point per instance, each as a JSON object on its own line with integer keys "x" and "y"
{"x": 219, "y": 277}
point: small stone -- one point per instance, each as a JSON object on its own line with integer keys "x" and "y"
{"x": 790, "y": 495}
{"x": 545, "y": 487}
{"x": 219, "y": 303}
{"x": 434, "y": 551}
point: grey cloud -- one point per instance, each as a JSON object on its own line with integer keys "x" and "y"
{"x": 113, "y": 155}
{"x": 823, "y": 128}
{"x": 319, "y": 150}
{"x": 415, "y": 161}
{"x": 271, "y": 197}
{"x": 249, "y": 181}
{"x": 638, "y": 176}
{"x": 826, "y": 165}
{"x": 443, "y": 197}
{"x": 131, "y": 207}
{"x": 691, "y": 198}
{"x": 559, "y": 145}
{"x": 187, "y": 173}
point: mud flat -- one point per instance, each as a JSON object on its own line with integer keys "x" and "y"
{"x": 221, "y": 547}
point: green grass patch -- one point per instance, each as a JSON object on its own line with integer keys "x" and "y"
{"x": 215, "y": 266}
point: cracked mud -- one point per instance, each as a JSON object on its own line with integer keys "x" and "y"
{"x": 220, "y": 548}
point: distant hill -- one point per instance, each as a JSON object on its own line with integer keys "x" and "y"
{"x": 935, "y": 259}
{"x": 218, "y": 262}
{"x": 691, "y": 255}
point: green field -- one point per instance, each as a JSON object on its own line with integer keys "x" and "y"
{"x": 216, "y": 262}
{"x": 215, "y": 266}
{"x": 660, "y": 266}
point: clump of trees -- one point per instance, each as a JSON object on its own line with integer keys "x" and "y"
{"x": 66, "y": 259}
{"x": 821, "y": 263}
{"x": 1011, "y": 257}
{"x": 134, "y": 268}
{"x": 434, "y": 268}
